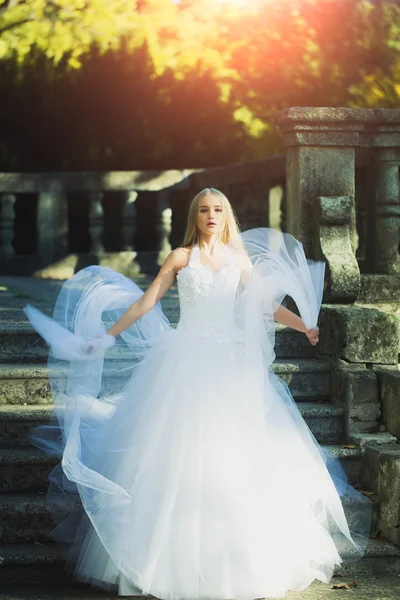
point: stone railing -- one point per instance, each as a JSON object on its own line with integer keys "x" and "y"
{"x": 52, "y": 224}
{"x": 343, "y": 202}
{"x": 339, "y": 194}
{"x": 343, "y": 192}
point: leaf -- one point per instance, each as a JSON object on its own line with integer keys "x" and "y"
{"x": 344, "y": 586}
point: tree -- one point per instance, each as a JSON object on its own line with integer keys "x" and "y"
{"x": 176, "y": 33}
{"x": 155, "y": 75}
{"x": 69, "y": 28}
{"x": 114, "y": 112}
{"x": 315, "y": 53}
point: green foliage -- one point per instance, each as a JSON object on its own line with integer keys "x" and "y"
{"x": 176, "y": 33}
{"x": 69, "y": 28}
{"x": 162, "y": 83}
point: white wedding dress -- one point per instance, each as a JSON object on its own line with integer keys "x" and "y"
{"x": 198, "y": 477}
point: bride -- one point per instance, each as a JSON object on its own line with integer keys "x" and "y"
{"x": 196, "y": 475}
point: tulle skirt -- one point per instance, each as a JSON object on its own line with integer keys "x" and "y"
{"x": 187, "y": 470}
{"x": 195, "y": 485}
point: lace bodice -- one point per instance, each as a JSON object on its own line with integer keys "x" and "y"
{"x": 207, "y": 297}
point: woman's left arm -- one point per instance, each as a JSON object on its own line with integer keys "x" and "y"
{"x": 282, "y": 314}
{"x": 290, "y": 319}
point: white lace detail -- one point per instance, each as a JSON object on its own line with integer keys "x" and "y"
{"x": 195, "y": 280}
{"x": 207, "y": 297}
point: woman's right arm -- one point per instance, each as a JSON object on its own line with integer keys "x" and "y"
{"x": 161, "y": 284}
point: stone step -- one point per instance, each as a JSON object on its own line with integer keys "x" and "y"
{"x": 19, "y": 343}
{"x": 27, "y": 383}
{"x": 323, "y": 418}
{"x": 27, "y": 469}
{"x": 350, "y": 456}
{"x": 24, "y": 518}
{"x": 325, "y": 421}
{"x": 293, "y": 344}
{"x": 308, "y": 379}
{"x": 28, "y": 517}
{"x": 35, "y": 565}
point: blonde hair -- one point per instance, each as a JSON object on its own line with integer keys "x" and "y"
{"x": 230, "y": 232}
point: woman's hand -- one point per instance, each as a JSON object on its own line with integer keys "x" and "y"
{"x": 312, "y": 335}
{"x": 101, "y": 343}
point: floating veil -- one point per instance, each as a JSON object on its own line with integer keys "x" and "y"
{"x": 280, "y": 269}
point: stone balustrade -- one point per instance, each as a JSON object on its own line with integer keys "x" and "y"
{"x": 128, "y": 220}
{"x": 339, "y": 194}
{"x": 343, "y": 191}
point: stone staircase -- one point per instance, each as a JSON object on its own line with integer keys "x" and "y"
{"x": 27, "y": 554}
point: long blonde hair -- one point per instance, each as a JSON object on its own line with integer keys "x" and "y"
{"x": 230, "y": 233}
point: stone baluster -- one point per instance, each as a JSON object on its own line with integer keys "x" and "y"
{"x": 96, "y": 222}
{"x": 164, "y": 226}
{"x": 52, "y": 219}
{"x": 335, "y": 219}
{"x": 387, "y": 210}
{"x": 7, "y": 225}
{"x": 129, "y": 220}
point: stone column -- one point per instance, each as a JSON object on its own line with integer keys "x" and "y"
{"x": 320, "y": 159}
{"x": 96, "y": 222}
{"x": 387, "y": 211}
{"x": 7, "y": 225}
{"x": 382, "y": 133}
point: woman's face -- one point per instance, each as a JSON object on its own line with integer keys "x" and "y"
{"x": 210, "y": 218}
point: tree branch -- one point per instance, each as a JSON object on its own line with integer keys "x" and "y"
{"x": 14, "y": 25}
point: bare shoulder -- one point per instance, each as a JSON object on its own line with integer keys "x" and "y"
{"x": 178, "y": 258}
